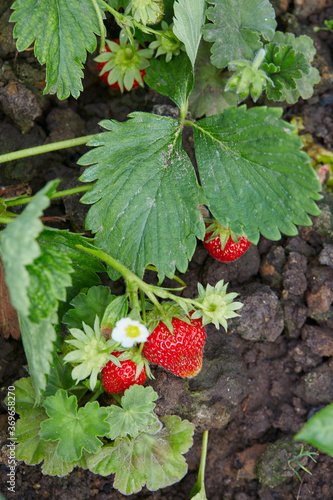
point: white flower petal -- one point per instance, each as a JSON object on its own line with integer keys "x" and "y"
{"x": 128, "y": 331}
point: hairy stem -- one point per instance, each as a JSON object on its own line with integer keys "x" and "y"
{"x": 46, "y": 148}
{"x": 58, "y": 194}
{"x": 150, "y": 290}
{"x": 126, "y": 20}
{"x": 5, "y": 220}
{"x": 101, "y": 25}
{"x": 200, "y": 484}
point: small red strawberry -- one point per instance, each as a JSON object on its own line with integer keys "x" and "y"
{"x": 179, "y": 352}
{"x": 122, "y": 65}
{"x": 117, "y": 379}
{"x": 223, "y": 244}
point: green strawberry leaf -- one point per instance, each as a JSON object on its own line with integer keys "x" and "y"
{"x": 152, "y": 460}
{"x": 87, "y": 306}
{"x": 135, "y": 415}
{"x": 38, "y": 342}
{"x": 318, "y": 431}
{"x": 62, "y": 31}
{"x": 49, "y": 277}
{"x": 236, "y": 29}
{"x": 253, "y": 175}
{"x": 142, "y": 196}
{"x": 173, "y": 79}
{"x": 288, "y": 65}
{"x": 37, "y": 277}
{"x": 85, "y": 266}
{"x": 60, "y": 377}
{"x": 76, "y": 429}
{"x": 208, "y": 96}
{"x": 19, "y": 248}
{"x": 189, "y": 17}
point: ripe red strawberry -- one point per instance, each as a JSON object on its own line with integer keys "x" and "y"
{"x": 181, "y": 352}
{"x": 122, "y": 66}
{"x": 231, "y": 251}
{"x": 117, "y": 379}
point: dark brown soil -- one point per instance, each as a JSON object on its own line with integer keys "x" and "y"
{"x": 272, "y": 370}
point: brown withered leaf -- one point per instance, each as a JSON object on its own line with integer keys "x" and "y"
{"x": 16, "y": 191}
{"x": 9, "y": 325}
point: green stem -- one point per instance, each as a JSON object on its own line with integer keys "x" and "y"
{"x": 149, "y": 290}
{"x": 58, "y": 194}
{"x": 200, "y": 484}
{"x": 140, "y": 348}
{"x": 143, "y": 307}
{"x": 101, "y": 25}
{"x": 126, "y": 20}
{"x": 132, "y": 289}
{"x": 117, "y": 398}
{"x": 5, "y": 220}
{"x": 10, "y": 214}
{"x": 176, "y": 278}
{"x": 96, "y": 395}
{"x": 46, "y": 148}
{"x": 260, "y": 56}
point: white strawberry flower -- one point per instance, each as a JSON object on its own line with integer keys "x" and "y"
{"x": 128, "y": 331}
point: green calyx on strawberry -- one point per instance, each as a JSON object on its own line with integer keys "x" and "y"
{"x": 146, "y": 11}
{"x": 132, "y": 368}
{"x": 216, "y": 305}
{"x": 222, "y": 243}
{"x": 169, "y": 45}
{"x": 123, "y": 65}
{"x": 180, "y": 352}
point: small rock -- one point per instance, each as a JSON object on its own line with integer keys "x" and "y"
{"x": 64, "y": 124}
{"x": 272, "y": 266}
{"x": 288, "y": 420}
{"x": 304, "y": 358}
{"x": 280, "y": 6}
{"x": 294, "y": 279}
{"x": 7, "y": 42}
{"x": 316, "y": 387}
{"x": 20, "y": 104}
{"x": 319, "y": 303}
{"x": 319, "y": 340}
{"x": 326, "y": 255}
{"x": 323, "y": 224}
{"x": 247, "y": 460}
{"x": 304, "y": 8}
{"x": 294, "y": 318}
{"x": 273, "y": 466}
{"x": 296, "y": 244}
{"x": 261, "y": 317}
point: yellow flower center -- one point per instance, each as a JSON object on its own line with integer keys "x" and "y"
{"x": 132, "y": 331}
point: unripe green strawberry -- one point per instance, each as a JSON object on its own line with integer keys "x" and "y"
{"x": 180, "y": 352}
{"x": 146, "y": 11}
{"x": 117, "y": 379}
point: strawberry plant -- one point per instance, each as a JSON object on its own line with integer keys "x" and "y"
{"x": 146, "y": 201}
